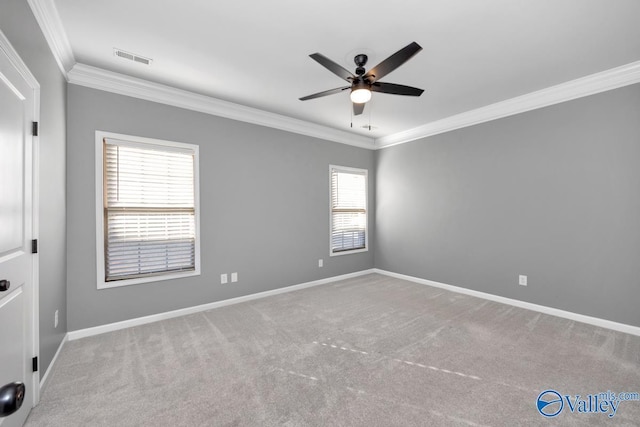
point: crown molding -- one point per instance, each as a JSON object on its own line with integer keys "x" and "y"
{"x": 97, "y": 78}
{"x": 589, "y": 85}
{"x": 49, "y": 21}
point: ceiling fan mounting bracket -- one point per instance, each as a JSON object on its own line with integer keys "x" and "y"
{"x": 361, "y": 61}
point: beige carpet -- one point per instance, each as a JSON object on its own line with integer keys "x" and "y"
{"x": 369, "y": 351}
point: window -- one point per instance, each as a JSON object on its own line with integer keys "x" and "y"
{"x": 147, "y": 210}
{"x": 348, "y": 210}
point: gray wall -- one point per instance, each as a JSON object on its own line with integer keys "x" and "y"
{"x": 264, "y": 206}
{"x": 550, "y": 193}
{"x": 20, "y": 27}
{"x": 553, "y": 194}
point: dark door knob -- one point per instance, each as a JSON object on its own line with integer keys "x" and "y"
{"x": 11, "y": 398}
{"x": 4, "y": 285}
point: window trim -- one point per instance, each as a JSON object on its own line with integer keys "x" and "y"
{"x": 100, "y": 223}
{"x": 360, "y": 171}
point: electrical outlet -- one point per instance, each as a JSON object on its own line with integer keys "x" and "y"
{"x": 55, "y": 319}
{"x": 320, "y": 262}
{"x": 223, "y": 278}
{"x": 522, "y": 280}
{"x": 234, "y": 277}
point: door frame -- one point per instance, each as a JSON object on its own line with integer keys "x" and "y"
{"x": 23, "y": 70}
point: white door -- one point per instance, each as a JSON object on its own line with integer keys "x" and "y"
{"x": 17, "y": 339}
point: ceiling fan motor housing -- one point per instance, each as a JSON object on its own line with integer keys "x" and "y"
{"x": 360, "y": 84}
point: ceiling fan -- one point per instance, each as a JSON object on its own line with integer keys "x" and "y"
{"x": 364, "y": 82}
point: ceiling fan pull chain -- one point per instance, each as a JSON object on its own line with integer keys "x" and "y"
{"x": 351, "y": 110}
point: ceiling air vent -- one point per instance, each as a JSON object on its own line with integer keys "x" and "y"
{"x": 132, "y": 56}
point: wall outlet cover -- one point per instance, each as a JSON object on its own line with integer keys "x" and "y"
{"x": 522, "y": 280}
{"x": 223, "y": 278}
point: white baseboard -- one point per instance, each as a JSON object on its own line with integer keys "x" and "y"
{"x": 82, "y": 333}
{"x": 97, "y": 330}
{"x": 44, "y": 378}
{"x": 620, "y": 327}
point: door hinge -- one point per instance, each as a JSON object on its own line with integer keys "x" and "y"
{"x": 34, "y": 364}
{"x": 34, "y": 246}
{"x": 34, "y": 128}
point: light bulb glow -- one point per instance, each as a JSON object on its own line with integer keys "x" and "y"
{"x": 360, "y": 96}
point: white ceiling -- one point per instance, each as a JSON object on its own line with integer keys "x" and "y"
{"x": 255, "y": 53}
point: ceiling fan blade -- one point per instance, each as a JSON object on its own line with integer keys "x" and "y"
{"x": 395, "y": 89}
{"x": 324, "y": 93}
{"x": 358, "y": 109}
{"x": 336, "y": 69}
{"x": 392, "y": 62}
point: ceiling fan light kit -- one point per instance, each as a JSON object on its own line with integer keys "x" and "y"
{"x": 360, "y": 93}
{"x": 363, "y": 82}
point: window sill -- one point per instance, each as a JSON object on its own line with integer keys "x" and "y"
{"x": 353, "y": 251}
{"x": 161, "y": 277}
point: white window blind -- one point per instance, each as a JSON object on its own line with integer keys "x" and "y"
{"x": 348, "y": 209}
{"x": 149, "y": 209}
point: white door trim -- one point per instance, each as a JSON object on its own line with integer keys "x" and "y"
{"x": 24, "y": 71}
